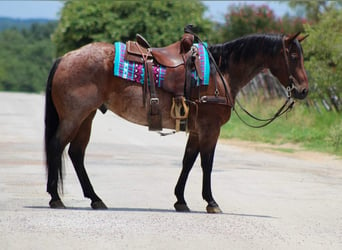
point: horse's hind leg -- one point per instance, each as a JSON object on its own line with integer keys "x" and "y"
{"x": 65, "y": 131}
{"x": 54, "y": 151}
{"x": 76, "y": 152}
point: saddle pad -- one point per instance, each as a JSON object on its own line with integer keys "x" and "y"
{"x": 204, "y": 60}
{"x": 134, "y": 72}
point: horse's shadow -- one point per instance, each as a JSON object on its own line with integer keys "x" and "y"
{"x": 154, "y": 210}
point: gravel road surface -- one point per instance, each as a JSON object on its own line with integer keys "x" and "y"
{"x": 270, "y": 200}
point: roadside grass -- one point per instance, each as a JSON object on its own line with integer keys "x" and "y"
{"x": 302, "y": 126}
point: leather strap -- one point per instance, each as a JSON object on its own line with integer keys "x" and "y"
{"x": 145, "y": 58}
{"x": 152, "y": 85}
{"x": 214, "y": 99}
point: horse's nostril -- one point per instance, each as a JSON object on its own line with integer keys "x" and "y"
{"x": 304, "y": 92}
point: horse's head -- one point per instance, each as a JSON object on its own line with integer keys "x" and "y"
{"x": 290, "y": 71}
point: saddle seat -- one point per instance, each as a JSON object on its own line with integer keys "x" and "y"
{"x": 171, "y": 56}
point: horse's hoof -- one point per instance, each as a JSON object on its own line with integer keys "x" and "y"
{"x": 57, "y": 204}
{"x": 213, "y": 209}
{"x": 98, "y": 205}
{"x": 181, "y": 207}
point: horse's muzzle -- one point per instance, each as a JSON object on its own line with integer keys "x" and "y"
{"x": 300, "y": 93}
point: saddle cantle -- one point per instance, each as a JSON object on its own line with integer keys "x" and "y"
{"x": 142, "y": 41}
{"x": 179, "y": 59}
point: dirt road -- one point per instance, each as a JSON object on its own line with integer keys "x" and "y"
{"x": 270, "y": 200}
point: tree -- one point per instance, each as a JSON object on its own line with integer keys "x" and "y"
{"x": 160, "y": 22}
{"x": 248, "y": 19}
{"x": 26, "y": 57}
{"x": 314, "y": 9}
{"x": 323, "y": 49}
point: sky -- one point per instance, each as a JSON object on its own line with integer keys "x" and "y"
{"x": 217, "y": 9}
{"x": 50, "y": 9}
{"x": 30, "y": 9}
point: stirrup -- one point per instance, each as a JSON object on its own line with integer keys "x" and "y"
{"x": 175, "y": 112}
{"x": 176, "y": 108}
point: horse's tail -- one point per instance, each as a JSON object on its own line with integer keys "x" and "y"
{"x": 51, "y": 124}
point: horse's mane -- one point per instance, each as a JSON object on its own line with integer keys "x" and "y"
{"x": 246, "y": 48}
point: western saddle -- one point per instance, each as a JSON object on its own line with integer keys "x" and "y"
{"x": 179, "y": 59}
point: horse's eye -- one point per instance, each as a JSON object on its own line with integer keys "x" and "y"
{"x": 294, "y": 56}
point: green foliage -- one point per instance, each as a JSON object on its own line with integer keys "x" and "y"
{"x": 248, "y": 19}
{"x": 335, "y": 136}
{"x": 323, "y": 50}
{"x": 26, "y": 57}
{"x": 303, "y": 126}
{"x": 160, "y": 22}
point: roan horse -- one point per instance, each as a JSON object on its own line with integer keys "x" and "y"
{"x": 82, "y": 81}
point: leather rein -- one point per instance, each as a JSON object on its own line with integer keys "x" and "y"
{"x": 287, "y": 106}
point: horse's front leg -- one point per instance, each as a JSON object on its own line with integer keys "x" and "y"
{"x": 207, "y": 151}
{"x": 190, "y": 155}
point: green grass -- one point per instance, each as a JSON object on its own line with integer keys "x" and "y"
{"x": 302, "y": 126}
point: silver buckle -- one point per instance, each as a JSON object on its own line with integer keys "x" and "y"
{"x": 154, "y": 100}
{"x": 290, "y": 88}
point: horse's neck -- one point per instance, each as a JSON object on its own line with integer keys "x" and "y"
{"x": 242, "y": 72}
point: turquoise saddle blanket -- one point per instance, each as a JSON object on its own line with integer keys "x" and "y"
{"x": 134, "y": 72}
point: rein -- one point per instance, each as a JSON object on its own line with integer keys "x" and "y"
{"x": 287, "y": 106}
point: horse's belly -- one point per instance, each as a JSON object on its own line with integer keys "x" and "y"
{"x": 128, "y": 104}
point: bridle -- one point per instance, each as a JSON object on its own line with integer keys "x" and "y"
{"x": 292, "y": 80}
{"x": 287, "y": 106}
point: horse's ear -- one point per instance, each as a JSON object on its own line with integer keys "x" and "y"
{"x": 301, "y": 38}
{"x": 290, "y": 39}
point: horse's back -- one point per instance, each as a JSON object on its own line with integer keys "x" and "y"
{"x": 92, "y": 57}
